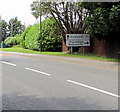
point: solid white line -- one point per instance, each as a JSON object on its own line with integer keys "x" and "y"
{"x": 38, "y": 71}
{"x": 8, "y": 63}
{"x": 93, "y": 88}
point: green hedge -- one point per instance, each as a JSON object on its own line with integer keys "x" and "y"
{"x": 51, "y": 36}
{"x": 23, "y": 36}
{"x": 10, "y": 41}
{"x": 51, "y": 39}
{"x": 31, "y": 38}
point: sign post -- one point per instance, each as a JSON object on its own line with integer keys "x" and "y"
{"x": 76, "y": 40}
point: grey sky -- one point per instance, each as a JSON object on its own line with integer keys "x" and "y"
{"x": 17, "y": 8}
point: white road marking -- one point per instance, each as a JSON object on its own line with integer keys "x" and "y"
{"x": 8, "y": 63}
{"x": 38, "y": 71}
{"x": 93, "y": 88}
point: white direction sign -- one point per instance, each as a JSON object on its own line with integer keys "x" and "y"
{"x": 74, "y": 40}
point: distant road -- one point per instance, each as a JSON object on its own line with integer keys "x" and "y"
{"x": 41, "y": 82}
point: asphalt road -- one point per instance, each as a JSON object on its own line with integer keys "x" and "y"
{"x": 41, "y": 82}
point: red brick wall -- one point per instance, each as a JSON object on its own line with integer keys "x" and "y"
{"x": 108, "y": 47}
{"x": 98, "y": 46}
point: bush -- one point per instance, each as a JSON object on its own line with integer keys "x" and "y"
{"x": 51, "y": 39}
{"x": 50, "y": 36}
{"x": 23, "y": 35}
{"x": 18, "y": 38}
{"x": 31, "y": 38}
{"x": 10, "y": 41}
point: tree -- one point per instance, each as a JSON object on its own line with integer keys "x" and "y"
{"x": 23, "y": 35}
{"x": 10, "y": 41}
{"x": 70, "y": 16}
{"x": 3, "y": 30}
{"x": 104, "y": 19}
{"x": 51, "y": 39}
{"x": 15, "y": 27}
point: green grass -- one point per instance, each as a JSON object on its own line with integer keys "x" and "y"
{"x": 85, "y": 56}
{"x": 22, "y": 50}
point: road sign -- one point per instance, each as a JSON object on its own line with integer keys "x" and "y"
{"x": 74, "y": 40}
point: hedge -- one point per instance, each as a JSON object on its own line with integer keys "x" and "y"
{"x": 51, "y": 39}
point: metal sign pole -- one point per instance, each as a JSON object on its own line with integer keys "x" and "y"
{"x": 71, "y": 49}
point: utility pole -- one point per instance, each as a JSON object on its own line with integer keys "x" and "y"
{"x": 40, "y": 26}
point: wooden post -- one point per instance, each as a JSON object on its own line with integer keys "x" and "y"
{"x": 83, "y": 50}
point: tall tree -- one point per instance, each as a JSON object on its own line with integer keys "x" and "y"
{"x": 70, "y": 16}
{"x": 3, "y": 30}
{"x": 15, "y": 27}
{"x": 104, "y": 19}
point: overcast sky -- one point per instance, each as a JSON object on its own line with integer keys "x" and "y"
{"x": 17, "y": 8}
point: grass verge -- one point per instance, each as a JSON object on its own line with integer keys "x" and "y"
{"x": 85, "y": 56}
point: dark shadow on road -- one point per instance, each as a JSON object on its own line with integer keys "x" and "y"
{"x": 17, "y": 101}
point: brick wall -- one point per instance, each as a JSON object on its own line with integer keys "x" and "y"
{"x": 108, "y": 47}
{"x": 98, "y": 46}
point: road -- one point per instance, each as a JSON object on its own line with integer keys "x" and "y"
{"x": 41, "y": 82}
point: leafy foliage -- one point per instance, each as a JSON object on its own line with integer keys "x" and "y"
{"x": 104, "y": 19}
{"x": 51, "y": 39}
{"x": 98, "y": 18}
{"x": 10, "y": 41}
{"x": 18, "y": 39}
{"x": 31, "y": 38}
{"x": 15, "y": 27}
{"x": 69, "y": 16}
{"x": 114, "y": 18}
{"x": 23, "y": 35}
{"x": 50, "y": 35}
{"x": 3, "y": 30}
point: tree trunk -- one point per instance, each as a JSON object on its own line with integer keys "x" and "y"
{"x": 64, "y": 47}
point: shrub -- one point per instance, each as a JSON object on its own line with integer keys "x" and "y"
{"x": 10, "y": 41}
{"x": 23, "y": 35}
{"x": 31, "y": 38}
{"x": 51, "y": 36}
{"x": 51, "y": 39}
{"x": 18, "y": 38}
